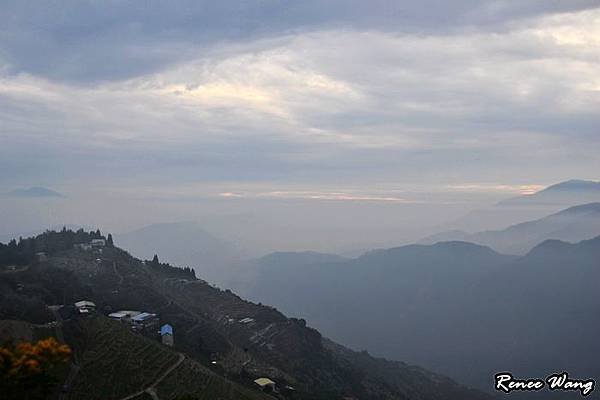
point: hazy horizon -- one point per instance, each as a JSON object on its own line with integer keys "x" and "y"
{"x": 326, "y": 125}
{"x": 261, "y": 226}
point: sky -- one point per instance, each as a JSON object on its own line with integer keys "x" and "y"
{"x": 225, "y": 105}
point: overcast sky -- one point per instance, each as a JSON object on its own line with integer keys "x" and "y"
{"x": 335, "y": 100}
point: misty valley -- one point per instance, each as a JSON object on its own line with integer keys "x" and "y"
{"x": 455, "y": 308}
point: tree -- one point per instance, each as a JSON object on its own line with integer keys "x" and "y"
{"x": 30, "y": 370}
{"x": 109, "y": 241}
{"x": 155, "y": 260}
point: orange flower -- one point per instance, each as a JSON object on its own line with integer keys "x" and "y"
{"x": 31, "y": 359}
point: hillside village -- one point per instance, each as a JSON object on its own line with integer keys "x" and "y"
{"x": 147, "y": 323}
{"x": 122, "y": 316}
{"x": 139, "y": 321}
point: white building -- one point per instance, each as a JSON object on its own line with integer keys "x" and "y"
{"x": 85, "y": 307}
{"x": 83, "y": 246}
{"x": 124, "y": 315}
{"x": 145, "y": 321}
{"x": 98, "y": 243}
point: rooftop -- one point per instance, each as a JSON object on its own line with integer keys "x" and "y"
{"x": 143, "y": 316}
{"x": 85, "y": 303}
{"x": 166, "y": 330}
{"x": 262, "y": 382}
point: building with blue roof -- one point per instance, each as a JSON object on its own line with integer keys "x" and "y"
{"x": 166, "y": 333}
{"x": 145, "y": 321}
{"x": 166, "y": 329}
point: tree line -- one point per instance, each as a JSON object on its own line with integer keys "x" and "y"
{"x": 23, "y": 251}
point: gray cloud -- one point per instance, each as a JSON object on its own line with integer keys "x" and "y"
{"x": 313, "y": 93}
{"x": 91, "y": 41}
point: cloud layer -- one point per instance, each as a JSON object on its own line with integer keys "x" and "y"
{"x": 479, "y": 95}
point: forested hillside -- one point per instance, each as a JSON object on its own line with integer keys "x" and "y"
{"x": 226, "y": 342}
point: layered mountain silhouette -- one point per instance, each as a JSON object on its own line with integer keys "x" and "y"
{"x": 515, "y": 210}
{"x": 457, "y": 308}
{"x": 572, "y": 224}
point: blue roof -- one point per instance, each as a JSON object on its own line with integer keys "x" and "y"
{"x": 166, "y": 330}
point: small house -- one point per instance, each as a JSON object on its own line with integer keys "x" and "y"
{"x": 85, "y": 307}
{"x": 265, "y": 384}
{"x": 83, "y": 246}
{"x": 41, "y": 256}
{"x": 166, "y": 334}
{"x": 98, "y": 243}
{"x": 144, "y": 321}
{"x": 123, "y": 316}
{"x": 119, "y": 315}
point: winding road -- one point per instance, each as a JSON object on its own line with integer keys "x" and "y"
{"x": 151, "y": 390}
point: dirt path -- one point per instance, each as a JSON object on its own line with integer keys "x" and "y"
{"x": 74, "y": 369}
{"x": 193, "y": 327}
{"x": 59, "y": 323}
{"x": 117, "y": 273}
{"x": 151, "y": 390}
{"x": 152, "y": 393}
{"x": 69, "y": 381}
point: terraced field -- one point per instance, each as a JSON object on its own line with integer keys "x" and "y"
{"x": 116, "y": 362}
{"x": 194, "y": 379}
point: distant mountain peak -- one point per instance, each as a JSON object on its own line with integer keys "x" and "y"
{"x": 574, "y": 191}
{"x": 550, "y": 244}
{"x": 300, "y": 257}
{"x": 571, "y": 224}
{"x": 582, "y": 208}
{"x": 461, "y": 244}
{"x": 35, "y": 192}
{"x": 555, "y": 245}
{"x": 573, "y": 184}
{"x": 454, "y": 247}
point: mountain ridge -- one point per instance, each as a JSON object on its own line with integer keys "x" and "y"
{"x": 245, "y": 339}
{"x": 575, "y": 223}
{"x": 459, "y": 309}
{"x": 565, "y": 193}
